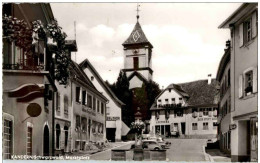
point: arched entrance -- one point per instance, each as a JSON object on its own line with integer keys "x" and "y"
{"x": 46, "y": 141}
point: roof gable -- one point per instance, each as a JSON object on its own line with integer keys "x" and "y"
{"x": 86, "y": 64}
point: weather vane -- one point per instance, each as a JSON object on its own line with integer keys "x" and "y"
{"x": 137, "y": 11}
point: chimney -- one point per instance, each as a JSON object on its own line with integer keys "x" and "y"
{"x": 209, "y": 79}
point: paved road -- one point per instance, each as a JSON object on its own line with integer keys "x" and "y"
{"x": 186, "y": 150}
{"x": 180, "y": 150}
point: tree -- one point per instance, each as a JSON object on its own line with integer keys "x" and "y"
{"x": 121, "y": 90}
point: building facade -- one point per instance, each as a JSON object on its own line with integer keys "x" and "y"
{"x": 224, "y": 117}
{"x": 186, "y": 110}
{"x": 115, "y": 127}
{"x": 244, "y": 39}
{"x": 138, "y": 57}
{"x": 88, "y": 123}
{"x": 64, "y": 111}
{"x": 28, "y": 88}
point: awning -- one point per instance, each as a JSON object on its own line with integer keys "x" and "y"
{"x": 27, "y": 92}
{"x": 24, "y": 89}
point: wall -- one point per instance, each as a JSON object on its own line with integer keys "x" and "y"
{"x": 19, "y": 111}
{"x": 245, "y": 57}
{"x": 89, "y": 114}
{"x": 169, "y": 95}
{"x": 112, "y": 109}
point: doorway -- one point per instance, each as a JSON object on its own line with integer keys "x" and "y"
{"x": 111, "y": 134}
{"x": 183, "y": 128}
{"x": 46, "y": 139}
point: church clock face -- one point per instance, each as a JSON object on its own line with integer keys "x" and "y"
{"x": 136, "y": 36}
{"x": 135, "y": 51}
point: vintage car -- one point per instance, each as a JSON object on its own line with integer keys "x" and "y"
{"x": 161, "y": 141}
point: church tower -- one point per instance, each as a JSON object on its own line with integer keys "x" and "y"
{"x": 138, "y": 57}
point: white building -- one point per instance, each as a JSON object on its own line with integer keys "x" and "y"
{"x": 114, "y": 125}
{"x": 243, "y": 27}
{"x": 186, "y": 109}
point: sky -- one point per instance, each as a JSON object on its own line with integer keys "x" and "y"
{"x": 188, "y": 44}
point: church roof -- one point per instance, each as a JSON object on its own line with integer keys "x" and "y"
{"x": 137, "y": 36}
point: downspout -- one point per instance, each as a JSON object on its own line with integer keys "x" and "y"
{"x": 53, "y": 97}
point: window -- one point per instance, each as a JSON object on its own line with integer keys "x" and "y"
{"x": 58, "y": 102}
{"x": 94, "y": 103}
{"x": 180, "y": 102}
{"x": 157, "y": 114}
{"x": 77, "y": 94}
{"x": 83, "y": 97}
{"x": 205, "y": 126}
{"x": 167, "y": 114}
{"x": 77, "y": 121}
{"x": 98, "y": 104}
{"x": 205, "y": 111}
{"x": 82, "y": 145}
{"x": 248, "y": 30}
{"x": 66, "y": 106}
{"x": 166, "y": 101}
{"x": 159, "y": 100}
{"x": 248, "y": 82}
{"x": 194, "y": 126}
{"x": 89, "y": 101}
{"x": 173, "y": 100}
{"x": 136, "y": 62}
{"x": 102, "y": 108}
{"x": 29, "y": 138}
{"x": 84, "y": 123}
{"x": 170, "y": 90}
{"x": 215, "y": 125}
{"x": 7, "y": 139}
{"x": 178, "y": 112}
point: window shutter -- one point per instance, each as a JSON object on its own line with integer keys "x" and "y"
{"x": 80, "y": 94}
{"x": 241, "y": 35}
{"x": 240, "y": 86}
{"x": 254, "y": 25}
{"x": 255, "y": 80}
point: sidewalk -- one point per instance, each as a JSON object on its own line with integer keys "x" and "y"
{"x": 217, "y": 156}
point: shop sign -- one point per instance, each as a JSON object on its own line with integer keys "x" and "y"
{"x": 162, "y": 121}
{"x": 207, "y": 119}
{"x": 113, "y": 118}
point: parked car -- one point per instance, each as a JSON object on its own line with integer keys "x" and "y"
{"x": 161, "y": 141}
{"x": 152, "y": 145}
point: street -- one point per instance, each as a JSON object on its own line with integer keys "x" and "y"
{"x": 180, "y": 150}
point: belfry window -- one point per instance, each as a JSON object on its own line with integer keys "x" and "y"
{"x": 136, "y": 62}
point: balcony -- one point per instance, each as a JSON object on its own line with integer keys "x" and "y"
{"x": 25, "y": 64}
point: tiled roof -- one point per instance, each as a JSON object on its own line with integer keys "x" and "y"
{"x": 137, "y": 36}
{"x": 200, "y": 92}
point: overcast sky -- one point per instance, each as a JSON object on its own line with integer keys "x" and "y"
{"x": 187, "y": 42}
